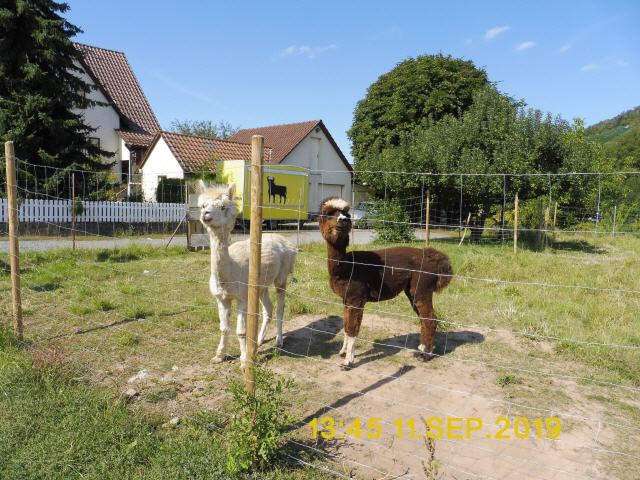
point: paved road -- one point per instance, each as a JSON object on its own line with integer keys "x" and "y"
{"x": 306, "y": 236}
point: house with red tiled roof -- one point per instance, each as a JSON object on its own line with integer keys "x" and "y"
{"x": 124, "y": 121}
{"x": 310, "y": 145}
{"x": 177, "y": 155}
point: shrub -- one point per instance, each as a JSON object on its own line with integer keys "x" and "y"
{"x": 170, "y": 190}
{"x": 391, "y": 222}
{"x": 258, "y": 423}
{"x": 531, "y": 219}
{"x": 77, "y": 207}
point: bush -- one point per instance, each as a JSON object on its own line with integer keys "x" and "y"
{"x": 77, "y": 207}
{"x": 258, "y": 424}
{"x": 531, "y": 219}
{"x": 170, "y": 190}
{"x": 391, "y": 222}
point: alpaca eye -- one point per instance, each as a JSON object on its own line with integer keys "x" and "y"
{"x": 223, "y": 208}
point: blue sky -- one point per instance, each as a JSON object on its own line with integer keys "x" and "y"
{"x": 261, "y": 63}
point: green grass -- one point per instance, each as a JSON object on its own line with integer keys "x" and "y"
{"x": 507, "y": 379}
{"x": 54, "y": 426}
{"x": 164, "y": 293}
{"x": 140, "y": 307}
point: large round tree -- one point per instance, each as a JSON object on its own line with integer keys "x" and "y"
{"x": 415, "y": 93}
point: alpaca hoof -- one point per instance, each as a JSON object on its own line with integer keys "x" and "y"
{"x": 346, "y": 365}
{"x": 280, "y": 342}
{"x": 342, "y": 353}
{"x": 218, "y": 359}
{"x": 424, "y": 356}
{"x": 260, "y": 341}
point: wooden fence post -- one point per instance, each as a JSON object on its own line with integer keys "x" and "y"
{"x": 464, "y": 234}
{"x": 73, "y": 211}
{"x": 14, "y": 249}
{"x": 615, "y": 219}
{"x": 427, "y": 218}
{"x": 547, "y": 219}
{"x": 515, "y": 227}
{"x": 255, "y": 241}
{"x": 555, "y": 215}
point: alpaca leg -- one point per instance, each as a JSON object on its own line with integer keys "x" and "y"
{"x": 280, "y": 294}
{"x": 428, "y": 324}
{"x": 343, "y": 350}
{"x": 224, "y": 312}
{"x": 241, "y": 332}
{"x": 352, "y": 320}
{"x": 267, "y": 313}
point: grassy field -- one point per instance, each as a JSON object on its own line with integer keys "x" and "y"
{"x": 109, "y": 315}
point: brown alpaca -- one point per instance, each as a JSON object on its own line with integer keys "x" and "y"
{"x": 373, "y": 276}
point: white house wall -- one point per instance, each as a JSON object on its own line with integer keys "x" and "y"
{"x": 329, "y": 175}
{"x": 125, "y": 154}
{"x": 160, "y": 162}
{"x": 106, "y": 121}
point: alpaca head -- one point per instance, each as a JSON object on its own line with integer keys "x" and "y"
{"x": 335, "y": 221}
{"x": 218, "y": 209}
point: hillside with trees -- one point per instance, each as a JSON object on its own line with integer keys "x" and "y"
{"x": 620, "y": 137}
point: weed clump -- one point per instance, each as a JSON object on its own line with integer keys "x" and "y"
{"x": 258, "y": 424}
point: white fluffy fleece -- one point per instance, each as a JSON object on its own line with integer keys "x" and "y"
{"x": 338, "y": 204}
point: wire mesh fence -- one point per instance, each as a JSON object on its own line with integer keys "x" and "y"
{"x": 538, "y": 336}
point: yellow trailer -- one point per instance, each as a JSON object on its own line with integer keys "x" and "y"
{"x": 285, "y": 189}
{"x": 285, "y": 197}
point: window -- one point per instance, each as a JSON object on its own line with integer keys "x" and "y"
{"x": 124, "y": 169}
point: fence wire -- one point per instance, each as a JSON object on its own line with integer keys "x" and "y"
{"x": 54, "y": 315}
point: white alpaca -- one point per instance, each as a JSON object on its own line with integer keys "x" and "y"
{"x": 230, "y": 267}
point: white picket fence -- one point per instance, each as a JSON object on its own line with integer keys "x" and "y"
{"x": 59, "y": 211}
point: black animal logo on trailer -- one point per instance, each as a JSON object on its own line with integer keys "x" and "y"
{"x": 274, "y": 190}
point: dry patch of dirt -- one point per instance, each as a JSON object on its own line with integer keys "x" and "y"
{"x": 389, "y": 383}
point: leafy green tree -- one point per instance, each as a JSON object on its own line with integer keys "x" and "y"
{"x": 495, "y": 135}
{"x": 204, "y": 128}
{"x": 41, "y": 93}
{"x": 416, "y": 93}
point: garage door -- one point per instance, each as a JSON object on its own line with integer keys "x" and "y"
{"x": 329, "y": 190}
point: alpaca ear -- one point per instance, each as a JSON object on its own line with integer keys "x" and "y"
{"x": 231, "y": 193}
{"x": 200, "y": 186}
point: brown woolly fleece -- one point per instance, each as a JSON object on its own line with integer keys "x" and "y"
{"x": 359, "y": 277}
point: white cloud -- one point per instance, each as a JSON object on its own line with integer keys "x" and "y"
{"x": 605, "y": 63}
{"x": 495, "y": 31}
{"x": 305, "y": 50}
{"x": 566, "y": 47}
{"x": 525, "y": 46}
{"x": 590, "y": 67}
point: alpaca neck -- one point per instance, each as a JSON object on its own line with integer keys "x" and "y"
{"x": 337, "y": 251}
{"x": 220, "y": 259}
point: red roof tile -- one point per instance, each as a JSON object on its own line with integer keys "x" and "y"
{"x": 283, "y": 138}
{"x": 195, "y": 153}
{"x": 137, "y": 139}
{"x": 113, "y": 74}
